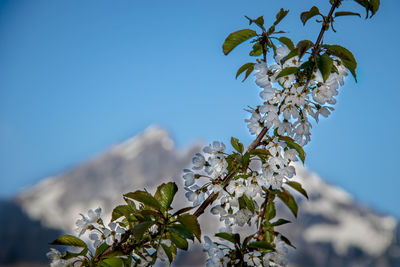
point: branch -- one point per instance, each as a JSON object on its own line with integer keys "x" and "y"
{"x": 213, "y": 196}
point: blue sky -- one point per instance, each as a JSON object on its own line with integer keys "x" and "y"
{"x": 79, "y": 76}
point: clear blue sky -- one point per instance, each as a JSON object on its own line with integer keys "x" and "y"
{"x": 79, "y": 76}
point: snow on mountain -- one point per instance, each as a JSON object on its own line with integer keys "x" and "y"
{"x": 332, "y": 229}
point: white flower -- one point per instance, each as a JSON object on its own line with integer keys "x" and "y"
{"x": 243, "y": 216}
{"x": 84, "y": 223}
{"x": 188, "y": 176}
{"x": 195, "y": 196}
{"x": 252, "y": 258}
{"x": 55, "y": 256}
{"x": 255, "y": 123}
{"x": 236, "y": 187}
{"x": 215, "y": 148}
{"x": 218, "y": 166}
{"x": 198, "y": 161}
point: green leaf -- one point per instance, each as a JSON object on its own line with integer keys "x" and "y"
{"x": 69, "y": 255}
{"x": 236, "y": 38}
{"x": 191, "y": 223}
{"x": 100, "y": 249}
{"x": 168, "y": 252}
{"x": 346, "y": 13}
{"x": 280, "y": 222}
{"x": 245, "y": 67}
{"x": 237, "y": 145}
{"x": 297, "y": 186}
{"x": 249, "y": 203}
{"x": 257, "y": 50}
{"x": 179, "y": 241}
{"x": 286, "y": 41}
{"x": 69, "y": 240}
{"x": 259, "y": 21}
{"x": 287, "y": 241}
{"x": 112, "y": 262}
{"x": 305, "y": 16}
{"x": 233, "y": 238}
{"x": 270, "y": 211}
{"x": 291, "y": 54}
{"x": 165, "y": 194}
{"x": 292, "y": 144}
{"x": 248, "y": 72}
{"x": 183, "y": 231}
{"x": 287, "y": 71}
{"x": 140, "y": 228}
{"x": 374, "y": 6}
{"x": 262, "y": 245}
{"x": 119, "y": 211}
{"x": 145, "y": 198}
{"x": 345, "y": 55}
{"x": 324, "y": 63}
{"x": 289, "y": 201}
{"x": 303, "y": 46}
{"x": 281, "y": 14}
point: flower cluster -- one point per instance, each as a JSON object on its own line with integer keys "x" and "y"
{"x": 288, "y": 109}
{"x": 222, "y": 253}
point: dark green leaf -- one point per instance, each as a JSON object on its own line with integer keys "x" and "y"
{"x": 183, "y": 231}
{"x": 233, "y": 238}
{"x": 257, "y": 50}
{"x": 101, "y": 249}
{"x": 297, "y": 186}
{"x": 237, "y": 145}
{"x": 374, "y": 6}
{"x": 306, "y": 65}
{"x": 280, "y": 222}
{"x": 287, "y": 241}
{"x": 309, "y": 14}
{"x": 289, "y": 200}
{"x": 259, "y": 21}
{"x": 140, "y": 228}
{"x": 345, "y": 55}
{"x": 168, "y": 252}
{"x": 346, "y": 13}
{"x": 303, "y": 46}
{"x": 119, "y": 211}
{"x": 112, "y": 262}
{"x": 69, "y": 255}
{"x": 179, "y": 241}
{"x": 324, "y": 63}
{"x": 236, "y": 38}
{"x": 152, "y": 213}
{"x": 287, "y": 71}
{"x": 248, "y": 72}
{"x": 270, "y": 211}
{"x": 191, "y": 223}
{"x": 292, "y": 144}
{"x": 281, "y": 14}
{"x": 291, "y": 54}
{"x": 145, "y": 198}
{"x": 69, "y": 240}
{"x": 262, "y": 245}
{"x": 286, "y": 41}
{"x": 249, "y": 203}
{"x": 243, "y": 68}
{"x": 165, "y": 194}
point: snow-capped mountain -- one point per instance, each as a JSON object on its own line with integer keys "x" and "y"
{"x": 332, "y": 229}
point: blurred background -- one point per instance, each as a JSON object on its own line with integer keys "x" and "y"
{"x": 94, "y": 94}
